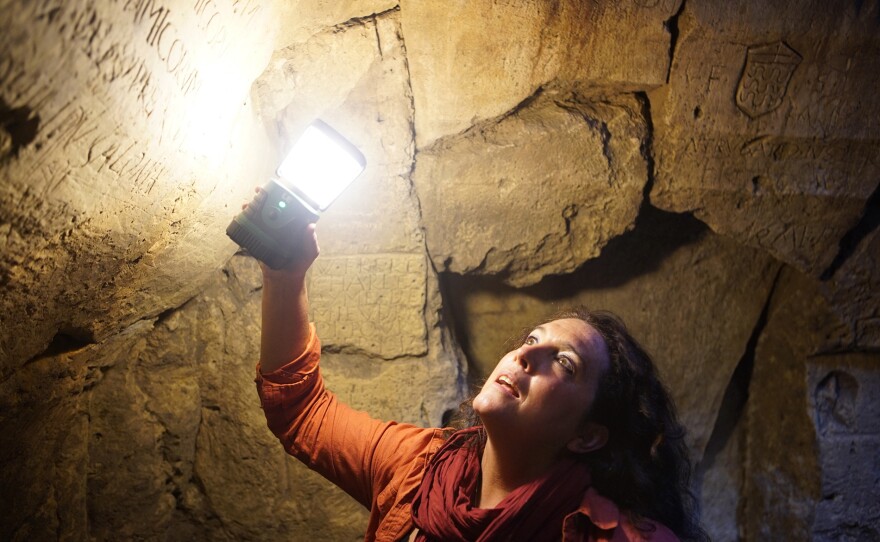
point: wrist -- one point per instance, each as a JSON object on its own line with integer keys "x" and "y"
{"x": 283, "y": 276}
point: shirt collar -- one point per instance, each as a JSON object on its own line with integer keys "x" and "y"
{"x": 603, "y": 513}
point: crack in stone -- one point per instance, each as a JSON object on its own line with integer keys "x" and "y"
{"x": 66, "y": 340}
{"x": 869, "y": 222}
{"x": 671, "y": 24}
{"x": 599, "y": 126}
{"x": 647, "y": 147}
{"x": 363, "y": 20}
{"x": 736, "y": 394}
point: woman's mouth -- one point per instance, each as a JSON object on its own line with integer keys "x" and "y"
{"x": 508, "y": 385}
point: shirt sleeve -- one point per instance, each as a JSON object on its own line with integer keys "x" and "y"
{"x": 365, "y": 457}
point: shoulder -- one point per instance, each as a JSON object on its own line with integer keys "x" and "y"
{"x": 645, "y": 530}
{"x": 605, "y": 516}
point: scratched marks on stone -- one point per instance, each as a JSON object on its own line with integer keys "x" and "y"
{"x": 374, "y": 303}
{"x": 147, "y": 53}
{"x": 764, "y": 81}
{"x": 162, "y": 42}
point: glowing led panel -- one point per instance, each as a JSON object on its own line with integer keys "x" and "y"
{"x": 320, "y": 166}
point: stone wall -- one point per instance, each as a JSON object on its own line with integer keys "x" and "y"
{"x": 707, "y": 170}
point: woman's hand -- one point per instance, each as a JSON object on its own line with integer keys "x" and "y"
{"x": 304, "y": 239}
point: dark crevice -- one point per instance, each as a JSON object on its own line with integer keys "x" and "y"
{"x": 671, "y": 25}
{"x": 21, "y": 127}
{"x": 656, "y": 235}
{"x": 529, "y": 100}
{"x": 647, "y": 147}
{"x": 849, "y": 243}
{"x": 480, "y": 126}
{"x": 65, "y": 341}
{"x": 168, "y": 313}
{"x": 737, "y": 392}
{"x": 597, "y": 125}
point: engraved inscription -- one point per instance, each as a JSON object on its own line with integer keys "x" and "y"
{"x": 374, "y": 303}
{"x": 765, "y": 78}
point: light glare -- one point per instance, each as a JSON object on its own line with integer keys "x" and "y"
{"x": 320, "y": 167}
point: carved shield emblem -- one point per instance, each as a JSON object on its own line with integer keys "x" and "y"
{"x": 765, "y": 78}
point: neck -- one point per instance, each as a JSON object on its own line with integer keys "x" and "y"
{"x": 507, "y": 467}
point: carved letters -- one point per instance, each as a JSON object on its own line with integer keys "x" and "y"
{"x": 373, "y": 303}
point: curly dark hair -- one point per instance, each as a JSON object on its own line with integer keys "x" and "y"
{"x": 645, "y": 466}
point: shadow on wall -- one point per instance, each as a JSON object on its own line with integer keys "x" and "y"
{"x": 18, "y": 128}
{"x": 656, "y": 235}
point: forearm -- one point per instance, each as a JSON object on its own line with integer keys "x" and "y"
{"x": 285, "y": 329}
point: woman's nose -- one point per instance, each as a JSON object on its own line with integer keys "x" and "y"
{"x": 528, "y": 356}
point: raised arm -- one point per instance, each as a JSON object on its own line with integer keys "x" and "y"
{"x": 285, "y": 331}
{"x": 369, "y": 459}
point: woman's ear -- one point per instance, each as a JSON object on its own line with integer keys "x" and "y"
{"x": 593, "y": 436}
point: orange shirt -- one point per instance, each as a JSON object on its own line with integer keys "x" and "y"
{"x": 381, "y": 464}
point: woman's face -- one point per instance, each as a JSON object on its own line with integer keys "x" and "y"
{"x": 540, "y": 393}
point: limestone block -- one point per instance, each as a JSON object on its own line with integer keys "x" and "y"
{"x": 130, "y": 144}
{"x": 644, "y": 276}
{"x": 46, "y": 435}
{"x": 472, "y": 61}
{"x": 720, "y": 488}
{"x": 845, "y": 406}
{"x": 373, "y": 303}
{"x": 766, "y": 130}
{"x": 783, "y": 476}
{"x": 537, "y": 193}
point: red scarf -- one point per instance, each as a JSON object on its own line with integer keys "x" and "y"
{"x": 443, "y": 508}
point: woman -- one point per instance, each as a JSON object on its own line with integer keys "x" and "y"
{"x": 577, "y": 438}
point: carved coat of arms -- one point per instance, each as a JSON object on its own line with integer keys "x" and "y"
{"x": 765, "y": 78}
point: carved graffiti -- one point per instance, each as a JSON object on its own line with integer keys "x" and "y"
{"x": 764, "y": 81}
{"x": 373, "y": 303}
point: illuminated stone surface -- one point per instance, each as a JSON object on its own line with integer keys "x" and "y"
{"x": 546, "y": 188}
{"x": 767, "y": 130}
{"x": 122, "y": 169}
{"x": 522, "y": 157}
{"x": 473, "y": 61}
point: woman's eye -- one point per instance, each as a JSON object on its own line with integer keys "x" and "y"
{"x": 531, "y": 341}
{"x": 566, "y": 363}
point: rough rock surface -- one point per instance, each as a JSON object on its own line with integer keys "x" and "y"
{"x": 119, "y": 170}
{"x": 562, "y": 214}
{"x": 854, "y": 291}
{"x": 707, "y": 169}
{"x": 781, "y": 459}
{"x": 845, "y": 399}
{"x": 157, "y": 433}
{"x": 767, "y": 128}
{"x": 475, "y": 61}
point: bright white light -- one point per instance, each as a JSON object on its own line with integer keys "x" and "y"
{"x": 321, "y": 165}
